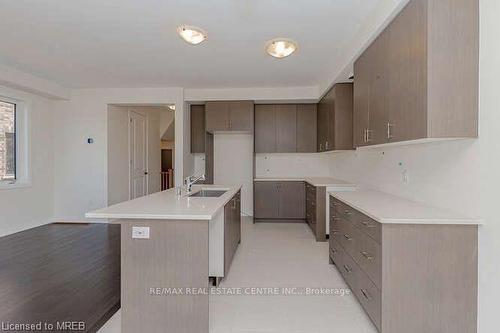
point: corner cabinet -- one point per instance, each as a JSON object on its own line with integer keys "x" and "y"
{"x": 227, "y": 116}
{"x": 419, "y": 78}
{"x": 335, "y": 112}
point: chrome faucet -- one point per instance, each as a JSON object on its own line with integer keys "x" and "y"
{"x": 189, "y": 181}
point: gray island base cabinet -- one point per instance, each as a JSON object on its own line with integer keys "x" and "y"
{"x": 410, "y": 278}
{"x": 170, "y": 254}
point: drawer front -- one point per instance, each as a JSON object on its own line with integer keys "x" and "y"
{"x": 369, "y": 226}
{"x": 336, "y": 253}
{"x": 364, "y": 250}
{"x": 366, "y": 224}
{"x": 369, "y": 257}
{"x": 349, "y": 270}
{"x": 348, "y": 236}
{"x": 369, "y": 297}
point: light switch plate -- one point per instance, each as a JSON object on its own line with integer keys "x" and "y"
{"x": 140, "y": 232}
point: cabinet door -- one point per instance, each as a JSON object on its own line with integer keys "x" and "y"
{"x": 292, "y": 200}
{"x": 217, "y": 116}
{"x": 241, "y": 116}
{"x": 322, "y": 121}
{"x": 343, "y": 116}
{"x": 265, "y": 129}
{"x": 228, "y": 234}
{"x": 266, "y": 200}
{"x": 408, "y": 77}
{"x": 379, "y": 89}
{"x": 306, "y": 128}
{"x": 330, "y": 103}
{"x": 362, "y": 75}
{"x": 197, "y": 129}
{"x": 286, "y": 128}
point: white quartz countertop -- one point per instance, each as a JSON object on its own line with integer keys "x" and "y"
{"x": 167, "y": 205}
{"x": 315, "y": 181}
{"x": 386, "y": 208}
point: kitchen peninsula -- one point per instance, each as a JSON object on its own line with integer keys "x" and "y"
{"x": 177, "y": 242}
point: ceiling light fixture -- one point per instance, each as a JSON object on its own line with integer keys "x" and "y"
{"x": 281, "y": 47}
{"x": 192, "y": 35}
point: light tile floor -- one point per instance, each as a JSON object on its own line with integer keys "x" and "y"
{"x": 280, "y": 255}
{"x": 284, "y": 255}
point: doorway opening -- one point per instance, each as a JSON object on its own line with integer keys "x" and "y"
{"x": 137, "y": 136}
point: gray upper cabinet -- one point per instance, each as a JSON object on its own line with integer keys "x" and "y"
{"x": 411, "y": 82}
{"x": 217, "y": 116}
{"x": 241, "y": 116}
{"x": 197, "y": 129}
{"x": 285, "y": 128}
{"x": 265, "y": 129}
{"x": 335, "y": 119}
{"x": 229, "y": 116}
{"x": 306, "y": 128}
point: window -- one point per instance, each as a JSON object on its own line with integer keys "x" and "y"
{"x": 7, "y": 141}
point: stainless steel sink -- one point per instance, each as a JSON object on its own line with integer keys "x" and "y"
{"x": 208, "y": 193}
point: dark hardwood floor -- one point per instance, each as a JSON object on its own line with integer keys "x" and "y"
{"x": 60, "y": 272}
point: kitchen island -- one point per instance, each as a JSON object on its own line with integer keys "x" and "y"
{"x": 170, "y": 245}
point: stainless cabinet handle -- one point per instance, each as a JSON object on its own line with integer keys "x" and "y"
{"x": 334, "y": 232}
{"x": 348, "y": 237}
{"x": 335, "y": 218}
{"x": 366, "y": 255}
{"x": 368, "y": 225}
{"x": 346, "y": 212}
{"x": 326, "y": 145}
{"x": 368, "y": 135}
{"x": 389, "y": 130}
{"x": 366, "y": 294}
{"x": 347, "y": 269}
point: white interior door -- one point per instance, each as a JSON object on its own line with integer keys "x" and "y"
{"x": 138, "y": 155}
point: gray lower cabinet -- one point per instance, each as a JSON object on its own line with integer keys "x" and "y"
{"x": 315, "y": 210}
{"x": 410, "y": 278}
{"x": 284, "y": 200}
{"x": 232, "y": 229}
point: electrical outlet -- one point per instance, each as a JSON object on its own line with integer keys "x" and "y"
{"x": 140, "y": 232}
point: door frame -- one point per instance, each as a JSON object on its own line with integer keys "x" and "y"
{"x": 145, "y": 115}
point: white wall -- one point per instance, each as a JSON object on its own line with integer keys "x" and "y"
{"x": 30, "y": 206}
{"x": 292, "y": 165}
{"x": 118, "y": 154}
{"x": 233, "y": 164}
{"x": 81, "y": 182}
{"x": 489, "y": 166}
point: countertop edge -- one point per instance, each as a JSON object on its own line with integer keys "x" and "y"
{"x": 428, "y": 221}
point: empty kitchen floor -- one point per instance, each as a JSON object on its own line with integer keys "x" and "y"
{"x": 281, "y": 255}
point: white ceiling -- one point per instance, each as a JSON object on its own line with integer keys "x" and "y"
{"x": 133, "y": 43}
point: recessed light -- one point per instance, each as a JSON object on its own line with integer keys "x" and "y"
{"x": 192, "y": 35}
{"x": 281, "y": 47}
